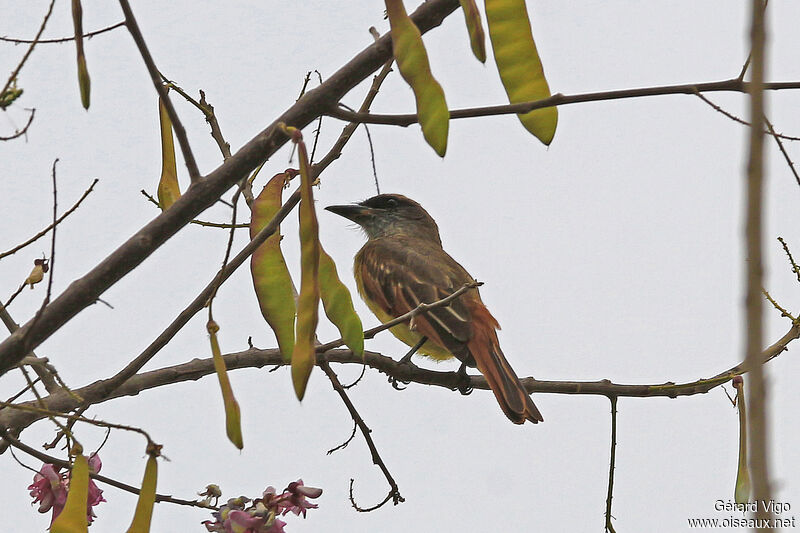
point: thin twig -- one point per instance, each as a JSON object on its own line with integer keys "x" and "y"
{"x": 48, "y": 228}
{"x": 155, "y": 76}
{"x": 45, "y": 458}
{"x": 731, "y": 85}
{"x": 776, "y": 305}
{"x": 394, "y": 491}
{"x": 344, "y": 445}
{"x": 782, "y": 149}
{"x": 795, "y": 267}
{"x": 63, "y": 39}
{"x": 23, "y": 131}
{"x": 421, "y": 308}
{"x": 612, "y": 462}
{"x": 739, "y": 120}
{"x": 28, "y": 52}
{"x": 223, "y": 225}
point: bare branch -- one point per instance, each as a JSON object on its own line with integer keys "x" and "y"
{"x": 28, "y": 53}
{"x": 155, "y": 75}
{"x": 758, "y": 461}
{"x": 394, "y": 491}
{"x": 51, "y": 226}
{"x": 63, "y": 39}
{"x": 255, "y": 358}
{"x": 612, "y": 463}
{"x": 23, "y": 131}
{"x": 732, "y": 85}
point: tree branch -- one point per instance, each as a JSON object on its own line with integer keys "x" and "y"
{"x": 758, "y": 426}
{"x": 257, "y": 358}
{"x": 201, "y": 195}
{"x": 63, "y": 39}
{"x": 732, "y": 85}
{"x": 155, "y": 76}
{"x": 51, "y": 226}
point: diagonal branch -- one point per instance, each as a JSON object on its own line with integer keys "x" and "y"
{"x": 51, "y": 226}
{"x": 394, "y": 491}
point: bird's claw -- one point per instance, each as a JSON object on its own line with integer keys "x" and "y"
{"x": 464, "y": 386}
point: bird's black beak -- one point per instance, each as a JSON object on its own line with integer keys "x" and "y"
{"x": 352, "y": 212}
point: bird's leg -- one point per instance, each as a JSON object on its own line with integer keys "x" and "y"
{"x": 407, "y": 357}
{"x": 406, "y": 360}
{"x": 463, "y": 386}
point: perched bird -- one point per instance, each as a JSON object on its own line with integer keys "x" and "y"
{"x": 403, "y": 265}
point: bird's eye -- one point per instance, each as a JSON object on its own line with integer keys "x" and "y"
{"x": 391, "y": 202}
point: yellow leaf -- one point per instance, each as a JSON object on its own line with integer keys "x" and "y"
{"x": 271, "y": 278}
{"x": 519, "y": 64}
{"x": 412, "y": 60}
{"x": 338, "y": 304}
{"x": 72, "y": 518}
{"x": 147, "y": 497}
{"x": 233, "y": 417}
{"x": 168, "y": 189}
{"x": 477, "y": 38}
{"x": 304, "y": 353}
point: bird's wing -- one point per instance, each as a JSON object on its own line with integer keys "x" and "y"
{"x": 399, "y": 278}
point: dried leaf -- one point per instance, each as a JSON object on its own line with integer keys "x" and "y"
{"x": 168, "y": 189}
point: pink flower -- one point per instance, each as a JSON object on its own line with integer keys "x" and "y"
{"x": 277, "y": 526}
{"x": 49, "y": 490}
{"x": 95, "y": 493}
{"x": 297, "y": 494}
{"x": 243, "y": 522}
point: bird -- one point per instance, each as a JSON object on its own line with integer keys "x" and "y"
{"x": 403, "y": 265}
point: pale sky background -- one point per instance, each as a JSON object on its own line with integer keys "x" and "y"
{"x": 616, "y": 253}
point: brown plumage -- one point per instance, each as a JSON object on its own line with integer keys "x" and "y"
{"x": 402, "y": 265}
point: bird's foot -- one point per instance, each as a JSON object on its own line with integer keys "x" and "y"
{"x": 464, "y": 385}
{"x": 406, "y": 362}
{"x": 407, "y": 366}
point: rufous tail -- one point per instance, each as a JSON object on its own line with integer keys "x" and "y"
{"x": 511, "y": 395}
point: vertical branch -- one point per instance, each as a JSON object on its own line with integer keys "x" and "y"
{"x": 180, "y": 132}
{"x": 613, "y": 460}
{"x": 753, "y": 236}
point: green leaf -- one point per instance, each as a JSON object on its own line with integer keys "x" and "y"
{"x": 412, "y": 61}
{"x": 519, "y": 64}
{"x": 338, "y": 304}
{"x": 271, "y": 278}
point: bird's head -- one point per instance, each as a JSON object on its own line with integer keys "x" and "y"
{"x": 390, "y": 214}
